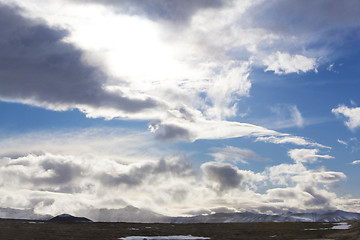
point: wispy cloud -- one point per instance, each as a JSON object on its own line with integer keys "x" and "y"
{"x": 342, "y": 142}
{"x": 286, "y": 116}
{"x": 288, "y": 139}
{"x": 234, "y": 154}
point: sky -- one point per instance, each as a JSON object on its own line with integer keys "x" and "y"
{"x": 180, "y": 107}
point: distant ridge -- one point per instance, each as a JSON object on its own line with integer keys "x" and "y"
{"x": 69, "y": 218}
{"x": 331, "y": 216}
{"x": 14, "y": 213}
{"x": 133, "y": 214}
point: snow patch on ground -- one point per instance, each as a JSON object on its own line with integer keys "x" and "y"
{"x": 341, "y": 226}
{"x": 180, "y": 237}
{"x": 303, "y": 219}
{"x": 338, "y": 226}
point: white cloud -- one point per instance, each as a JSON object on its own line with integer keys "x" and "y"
{"x": 298, "y": 173}
{"x": 330, "y": 68}
{"x": 352, "y": 115}
{"x": 306, "y": 155}
{"x": 311, "y": 196}
{"x": 319, "y": 176}
{"x": 304, "y": 188}
{"x": 282, "y": 174}
{"x": 284, "y": 63}
{"x": 303, "y": 197}
{"x": 324, "y": 176}
{"x": 231, "y": 84}
{"x": 200, "y": 128}
{"x": 356, "y": 162}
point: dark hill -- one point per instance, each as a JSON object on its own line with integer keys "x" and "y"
{"x": 69, "y": 218}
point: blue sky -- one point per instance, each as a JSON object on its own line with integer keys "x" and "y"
{"x": 179, "y": 107}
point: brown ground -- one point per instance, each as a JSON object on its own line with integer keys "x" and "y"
{"x": 35, "y": 230}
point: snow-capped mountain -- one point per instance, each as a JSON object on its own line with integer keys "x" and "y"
{"x": 338, "y": 216}
{"x": 333, "y": 216}
{"x": 133, "y": 214}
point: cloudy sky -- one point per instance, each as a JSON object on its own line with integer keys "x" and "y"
{"x": 180, "y": 106}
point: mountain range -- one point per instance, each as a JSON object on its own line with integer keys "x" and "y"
{"x": 331, "y": 216}
{"x": 133, "y": 214}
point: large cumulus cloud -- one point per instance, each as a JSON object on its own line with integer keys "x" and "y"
{"x": 223, "y": 175}
{"x": 39, "y": 68}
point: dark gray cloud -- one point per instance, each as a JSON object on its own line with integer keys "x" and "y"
{"x": 225, "y": 175}
{"x": 317, "y": 199}
{"x": 66, "y": 174}
{"x": 172, "y": 132}
{"x": 51, "y": 172}
{"x": 149, "y": 171}
{"x": 43, "y": 201}
{"x": 177, "y": 11}
{"x": 38, "y": 67}
{"x": 62, "y": 172}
